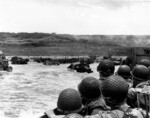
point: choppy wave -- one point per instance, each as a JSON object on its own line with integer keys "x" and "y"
{"x": 31, "y": 89}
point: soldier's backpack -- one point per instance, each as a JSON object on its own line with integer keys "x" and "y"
{"x": 143, "y": 97}
{"x": 122, "y": 114}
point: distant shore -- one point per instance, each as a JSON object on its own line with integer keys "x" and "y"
{"x": 60, "y": 57}
{"x": 42, "y": 44}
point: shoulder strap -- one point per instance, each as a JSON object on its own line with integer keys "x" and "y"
{"x": 142, "y": 84}
{"x": 122, "y": 114}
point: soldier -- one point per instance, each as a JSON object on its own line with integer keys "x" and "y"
{"x": 115, "y": 90}
{"x": 124, "y": 71}
{"x": 145, "y": 62}
{"x": 128, "y": 61}
{"x": 92, "y": 100}
{"x": 105, "y": 69}
{"x": 69, "y": 101}
{"x": 140, "y": 73}
{"x": 136, "y": 98}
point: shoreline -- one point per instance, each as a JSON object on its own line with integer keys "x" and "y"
{"x": 61, "y": 57}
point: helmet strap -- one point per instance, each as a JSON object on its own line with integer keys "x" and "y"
{"x": 113, "y": 103}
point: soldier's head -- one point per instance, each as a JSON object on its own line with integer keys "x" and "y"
{"x": 89, "y": 89}
{"x": 114, "y": 90}
{"x": 145, "y": 62}
{"x": 139, "y": 73}
{"x": 106, "y": 68}
{"x": 124, "y": 71}
{"x": 69, "y": 101}
{"x": 107, "y": 56}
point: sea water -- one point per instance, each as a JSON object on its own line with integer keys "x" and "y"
{"x": 30, "y": 90}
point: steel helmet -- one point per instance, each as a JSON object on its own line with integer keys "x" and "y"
{"x": 108, "y": 56}
{"x": 89, "y": 88}
{"x": 115, "y": 87}
{"x": 124, "y": 71}
{"x": 69, "y": 100}
{"x": 140, "y": 72}
{"x": 145, "y": 62}
{"x": 149, "y": 73}
{"x": 106, "y": 66}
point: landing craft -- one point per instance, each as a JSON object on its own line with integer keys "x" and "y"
{"x": 136, "y": 54}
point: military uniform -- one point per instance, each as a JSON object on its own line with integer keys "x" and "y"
{"x": 119, "y": 112}
{"x": 115, "y": 91}
{"x": 95, "y": 106}
{"x": 136, "y": 98}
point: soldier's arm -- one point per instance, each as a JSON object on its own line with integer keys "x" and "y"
{"x": 132, "y": 97}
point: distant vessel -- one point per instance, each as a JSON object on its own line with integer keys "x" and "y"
{"x": 4, "y": 63}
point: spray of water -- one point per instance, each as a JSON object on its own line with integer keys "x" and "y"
{"x": 32, "y": 89}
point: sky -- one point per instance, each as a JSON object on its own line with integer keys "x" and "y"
{"x": 110, "y": 17}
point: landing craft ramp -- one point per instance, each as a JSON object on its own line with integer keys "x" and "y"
{"x": 139, "y": 53}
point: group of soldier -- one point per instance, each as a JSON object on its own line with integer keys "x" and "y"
{"x": 63, "y": 60}
{"x": 113, "y": 95}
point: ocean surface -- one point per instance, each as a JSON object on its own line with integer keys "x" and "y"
{"x": 31, "y": 89}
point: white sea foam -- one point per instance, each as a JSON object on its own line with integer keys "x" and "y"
{"x": 31, "y": 89}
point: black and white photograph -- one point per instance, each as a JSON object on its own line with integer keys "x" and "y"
{"x": 74, "y": 58}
